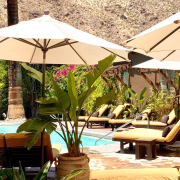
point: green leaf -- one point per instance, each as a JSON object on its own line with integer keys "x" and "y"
{"x": 14, "y": 175}
{"x": 21, "y": 173}
{"x": 1, "y": 178}
{"x": 3, "y": 174}
{"x": 35, "y": 129}
{"x": 133, "y": 93}
{"x": 74, "y": 173}
{"x": 9, "y": 173}
{"x": 130, "y": 110}
{"x": 24, "y": 126}
{"x": 103, "y": 66}
{"x": 85, "y": 95}
{"x": 35, "y": 74}
{"x": 73, "y": 95}
{"x": 43, "y": 172}
{"x": 46, "y": 101}
{"x": 49, "y": 109}
{"x": 176, "y": 79}
{"x": 61, "y": 95}
{"x": 106, "y": 98}
{"x": 142, "y": 95}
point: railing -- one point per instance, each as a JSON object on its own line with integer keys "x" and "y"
{"x": 140, "y": 115}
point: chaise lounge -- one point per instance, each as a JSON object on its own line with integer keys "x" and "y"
{"x": 118, "y": 122}
{"x": 98, "y": 114}
{"x": 167, "y": 136}
{"x": 136, "y": 174}
{"x": 105, "y": 120}
{"x": 156, "y": 124}
{"x": 15, "y": 143}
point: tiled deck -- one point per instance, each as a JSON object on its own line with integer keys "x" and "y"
{"x": 108, "y": 156}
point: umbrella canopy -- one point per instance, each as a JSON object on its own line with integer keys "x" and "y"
{"x": 48, "y": 41}
{"x": 156, "y": 64}
{"x": 160, "y": 41}
{"x": 63, "y": 43}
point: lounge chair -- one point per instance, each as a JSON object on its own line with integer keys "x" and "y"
{"x": 3, "y": 162}
{"x": 118, "y": 122}
{"x": 132, "y": 135}
{"x": 136, "y": 174}
{"x": 117, "y": 111}
{"x": 15, "y": 143}
{"x": 155, "y": 124}
{"x": 101, "y": 111}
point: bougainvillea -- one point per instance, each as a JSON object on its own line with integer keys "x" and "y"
{"x": 79, "y": 71}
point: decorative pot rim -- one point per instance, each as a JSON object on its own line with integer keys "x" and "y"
{"x": 65, "y": 156}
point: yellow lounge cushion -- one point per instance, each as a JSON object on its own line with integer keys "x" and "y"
{"x": 147, "y": 112}
{"x": 19, "y": 140}
{"x": 102, "y": 110}
{"x": 2, "y": 140}
{"x": 137, "y": 133}
{"x": 118, "y": 110}
{"x": 119, "y": 121}
{"x": 83, "y": 118}
{"x": 172, "y": 116}
{"x": 56, "y": 149}
{"x": 145, "y": 123}
{"x": 98, "y": 119}
{"x": 136, "y": 174}
{"x": 173, "y": 132}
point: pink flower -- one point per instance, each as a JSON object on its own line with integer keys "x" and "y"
{"x": 56, "y": 69}
{"x": 94, "y": 65}
{"x": 47, "y": 67}
{"x": 59, "y": 73}
{"x": 55, "y": 77}
{"x": 64, "y": 73}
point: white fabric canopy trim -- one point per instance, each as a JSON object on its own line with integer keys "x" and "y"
{"x": 156, "y": 64}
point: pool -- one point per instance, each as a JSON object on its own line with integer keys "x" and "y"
{"x": 56, "y": 139}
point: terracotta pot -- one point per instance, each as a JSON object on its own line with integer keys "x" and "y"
{"x": 65, "y": 165}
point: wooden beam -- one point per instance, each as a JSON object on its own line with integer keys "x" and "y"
{"x": 149, "y": 81}
{"x": 107, "y": 82}
{"x": 121, "y": 81}
{"x": 168, "y": 80}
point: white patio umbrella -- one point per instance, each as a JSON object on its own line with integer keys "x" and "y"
{"x": 48, "y": 41}
{"x": 161, "y": 42}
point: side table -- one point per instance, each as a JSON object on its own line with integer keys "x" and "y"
{"x": 145, "y": 147}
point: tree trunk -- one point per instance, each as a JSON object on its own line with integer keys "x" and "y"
{"x": 15, "y": 99}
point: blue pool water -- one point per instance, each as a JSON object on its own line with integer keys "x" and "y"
{"x": 56, "y": 139}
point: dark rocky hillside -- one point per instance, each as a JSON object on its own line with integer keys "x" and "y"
{"x": 113, "y": 20}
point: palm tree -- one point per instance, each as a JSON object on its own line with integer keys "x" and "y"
{"x": 15, "y": 100}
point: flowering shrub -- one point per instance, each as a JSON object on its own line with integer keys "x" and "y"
{"x": 79, "y": 72}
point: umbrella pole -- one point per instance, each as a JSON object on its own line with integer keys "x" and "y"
{"x": 43, "y": 95}
{"x": 178, "y": 100}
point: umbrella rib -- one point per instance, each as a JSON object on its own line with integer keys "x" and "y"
{"x": 4, "y": 39}
{"x": 77, "y": 52}
{"x": 47, "y": 43}
{"x": 56, "y": 45}
{"x": 168, "y": 55}
{"x": 115, "y": 53}
{"x": 38, "y": 43}
{"x": 33, "y": 54}
{"x": 60, "y": 44}
{"x": 164, "y": 38}
{"x": 27, "y": 42}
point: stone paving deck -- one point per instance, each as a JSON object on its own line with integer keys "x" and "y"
{"x": 109, "y": 156}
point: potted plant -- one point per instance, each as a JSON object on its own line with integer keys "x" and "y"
{"x": 69, "y": 104}
{"x": 18, "y": 174}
